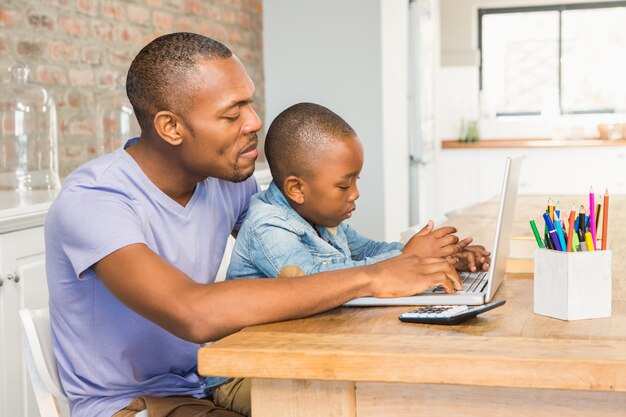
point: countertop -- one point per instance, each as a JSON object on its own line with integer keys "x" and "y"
{"x": 529, "y": 143}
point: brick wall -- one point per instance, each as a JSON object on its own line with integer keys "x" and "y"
{"x": 77, "y": 49}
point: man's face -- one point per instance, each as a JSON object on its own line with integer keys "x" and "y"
{"x": 331, "y": 191}
{"x": 221, "y": 124}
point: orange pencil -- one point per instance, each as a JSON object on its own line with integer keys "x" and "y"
{"x": 570, "y": 230}
{"x": 605, "y": 218}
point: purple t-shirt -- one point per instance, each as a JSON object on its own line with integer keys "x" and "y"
{"x": 107, "y": 354}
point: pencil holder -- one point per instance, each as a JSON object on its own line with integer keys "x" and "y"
{"x": 572, "y": 285}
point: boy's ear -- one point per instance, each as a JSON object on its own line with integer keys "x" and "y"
{"x": 168, "y": 127}
{"x": 293, "y": 189}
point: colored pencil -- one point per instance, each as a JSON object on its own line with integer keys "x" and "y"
{"x": 605, "y": 219}
{"x": 592, "y": 214}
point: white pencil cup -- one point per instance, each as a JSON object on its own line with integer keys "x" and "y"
{"x": 572, "y": 285}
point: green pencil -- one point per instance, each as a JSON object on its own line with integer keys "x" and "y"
{"x": 536, "y": 233}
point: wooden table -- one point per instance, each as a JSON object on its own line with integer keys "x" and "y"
{"x": 509, "y": 361}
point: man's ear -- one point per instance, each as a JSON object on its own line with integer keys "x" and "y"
{"x": 293, "y": 187}
{"x": 167, "y": 125}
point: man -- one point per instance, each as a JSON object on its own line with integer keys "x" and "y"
{"x": 135, "y": 238}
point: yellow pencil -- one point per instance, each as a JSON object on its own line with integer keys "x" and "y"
{"x": 589, "y": 242}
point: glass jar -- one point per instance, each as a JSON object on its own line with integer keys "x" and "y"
{"x": 116, "y": 120}
{"x": 28, "y": 135}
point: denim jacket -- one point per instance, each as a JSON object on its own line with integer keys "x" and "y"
{"x": 274, "y": 235}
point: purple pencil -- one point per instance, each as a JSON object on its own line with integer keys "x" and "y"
{"x": 592, "y": 216}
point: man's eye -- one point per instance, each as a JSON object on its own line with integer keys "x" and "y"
{"x": 232, "y": 118}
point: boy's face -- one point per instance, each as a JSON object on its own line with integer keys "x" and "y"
{"x": 330, "y": 191}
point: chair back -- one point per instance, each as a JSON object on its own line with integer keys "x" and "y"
{"x": 40, "y": 361}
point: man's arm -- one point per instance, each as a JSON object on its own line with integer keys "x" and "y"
{"x": 155, "y": 289}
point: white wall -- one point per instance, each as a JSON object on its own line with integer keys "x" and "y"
{"x": 349, "y": 56}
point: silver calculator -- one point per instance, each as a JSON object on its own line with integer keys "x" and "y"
{"x": 447, "y": 314}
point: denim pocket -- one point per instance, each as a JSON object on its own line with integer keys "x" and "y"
{"x": 326, "y": 258}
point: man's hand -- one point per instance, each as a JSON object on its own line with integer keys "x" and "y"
{"x": 408, "y": 274}
{"x": 472, "y": 258}
{"x": 438, "y": 243}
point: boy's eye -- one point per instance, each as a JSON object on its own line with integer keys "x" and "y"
{"x": 232, "y": 118}
{"x": 344, "y": 187}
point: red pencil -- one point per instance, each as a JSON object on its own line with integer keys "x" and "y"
{"x": 605, "y": 218}
{"x": 570, "y": 230}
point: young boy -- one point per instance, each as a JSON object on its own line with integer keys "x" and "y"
{"x": 296, "y": 226}
{"x": 315, "y": 159}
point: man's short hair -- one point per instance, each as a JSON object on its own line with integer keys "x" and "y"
{"x": 297, "y": 138}
{"x": 163, "y": 74}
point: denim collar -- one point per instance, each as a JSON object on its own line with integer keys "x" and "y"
{"x": 276, "y": 197}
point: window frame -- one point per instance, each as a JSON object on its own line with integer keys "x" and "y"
{"x": 560, "y": 8}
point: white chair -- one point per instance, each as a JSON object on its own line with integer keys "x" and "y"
{"x": 42, "y": 365}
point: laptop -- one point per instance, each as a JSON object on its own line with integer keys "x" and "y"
{"x": 478, "y": 287}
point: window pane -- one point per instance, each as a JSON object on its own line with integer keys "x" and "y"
{"x": 520, "y": 62}
{"x": 594, "y": 60}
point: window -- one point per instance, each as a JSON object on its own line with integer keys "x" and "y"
{"x": 545, "y": 60}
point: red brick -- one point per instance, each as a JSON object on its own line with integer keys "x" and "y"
{"x": 91, "y": 55}
{"x": 41, "y": 21}
{"x": 193, "y": 7}
{"x": 30, "y": 49}
{"x": 73, "y": 26}
{"x": 113, "y": 10}
{"x": 51, "y": 75}
{"x": 203, "y": 27}
{"x": 156, "y": 3}
{"x": 70, "y": 99}
{"x": 62, "y": 51}
{"x": 8, "y": 18}
{"x": 107, "y": 78}
{"x": 128, "y": 34}
{"x": 254, "y": 6}
{"x": 138, "y": 14}
{"x": 88, "y": 7}
{"x": 177, "y": 5}
{"x": 149, "y": 37}
{"x": 213, "y": 12}
{"x": 4, "y": 44}
{"x": 184, "y": 25}
{"x": 229, "y": 16}
{"x": 245, "y": 20}
{"x": 81, "y": 77}
{"x": 102, "y": 30}
{"x": 162, "y": 20}
{"x": 234, "y": 36}
{"x": 218, "y": 33}
{"x": 120, "y": 57}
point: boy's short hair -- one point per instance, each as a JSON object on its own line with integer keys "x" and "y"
{"x": 164, "y": 73}
{"x": 298, "y": 136}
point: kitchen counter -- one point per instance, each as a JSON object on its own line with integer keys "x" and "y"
{"x": 529, "y": 143}
{"x": 22, "y": 213}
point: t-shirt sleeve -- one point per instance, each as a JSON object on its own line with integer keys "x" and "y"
{"x": 90, "y": 224}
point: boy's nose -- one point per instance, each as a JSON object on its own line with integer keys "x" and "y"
{"x": 355, "y": 195}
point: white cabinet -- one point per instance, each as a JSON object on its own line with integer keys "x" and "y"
{"x": 23, "y": 278}
{"x": 469, "y": 176}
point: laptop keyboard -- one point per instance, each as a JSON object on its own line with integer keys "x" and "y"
{"x": 472, "y": 282}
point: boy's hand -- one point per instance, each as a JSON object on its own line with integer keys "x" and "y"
{"x": 438, "y": 243}
{"x": 472, "y": 258}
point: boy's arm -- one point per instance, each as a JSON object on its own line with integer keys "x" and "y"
{"x": 363, "y": 247}
{"x": 274, "y": 247}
